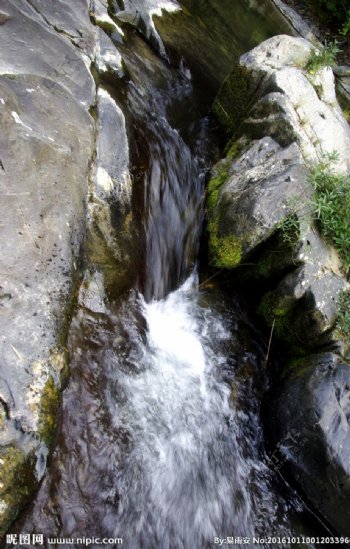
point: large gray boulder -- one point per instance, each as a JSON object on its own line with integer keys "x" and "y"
{"x": 262, "y": 188}
{"x": 306, "y": 102}
{"x": 278, "y": 96}
{"x": 311, "y": 432}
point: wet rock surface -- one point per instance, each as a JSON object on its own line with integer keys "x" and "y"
{"x": 311, "y": 418}
{"x": 110, "y": 228}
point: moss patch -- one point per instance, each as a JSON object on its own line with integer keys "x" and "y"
{"x": 272, "y": 309}
{"x": 220, "y": 175}
{"x": 49, "y": 405}
{"x": 17, "y": 482}
{"x": 234, "y": 100}
{"x": 225, "y": 251}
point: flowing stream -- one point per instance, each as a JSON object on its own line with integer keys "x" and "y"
{"x": 160, "y": 439}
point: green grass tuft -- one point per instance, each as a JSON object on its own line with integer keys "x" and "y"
{"x": 323, "y": 58}
{"x": 331, "y": 205}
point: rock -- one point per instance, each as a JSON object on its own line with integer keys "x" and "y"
{"x": 297, "y": 23}
{"x": 291, "y": 119}
{"x": 108, "y": 60}
{"x": 112, "y": 151}
{"x": 139, "y": 13}
{"x": 285, "y": 101}
{"x": 300, "y": 100}
{"x": 92, "y": 293}
{"x": 311, "y": 33}
{"x": 60, "y": 62}
{"x": 304, "y": 303}
{"x": 46, "y": 146}
{"x": 275, "y": 54}
{"x": 261, "y": 190}
{"x": 341, "y": 71}
{"x": 310, "y": 427}
{"x": 70, "y": 20}
{"x": 111, "y": 227}
{"x": 99, "y": 13}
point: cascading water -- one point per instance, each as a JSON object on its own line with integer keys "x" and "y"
{"x": 160, "y": 441}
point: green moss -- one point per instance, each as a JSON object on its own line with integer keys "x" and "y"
{"x": 17, "y": 482}
{"x": 297, "y": 367}
{"x": 49, "y": 405}
{"x": 273, "y": 309}
{"x": 225, "y": 251}
{"x": 342, "y": 330}
{"x": 265, "y": 266}
{"x": 215, "y": 184}
{"x": 235, "y": 147}
{"x": 233, "y": 100}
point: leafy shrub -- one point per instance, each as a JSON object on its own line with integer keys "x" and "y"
{"x": 329, "y": 208}
{"x": 289, "y": 227}
{"x": 336, "y": 9}
{"x": 323, "y": 58}
{"x": 345, "y": 30}
{"x": 331, "y": 205}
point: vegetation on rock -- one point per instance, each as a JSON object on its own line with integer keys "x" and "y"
{"x": 331, "y": 205}
{"x": 49, "y": 405}
{"x": 17, "y": 482}
{"x": 236, "y": 90}
{"x": 225, "y": 250}
{"x": 343, "y": 317}
{"x": 337, "y": 13}
{"x": 325, "y": 57}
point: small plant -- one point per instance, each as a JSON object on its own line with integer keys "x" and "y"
{"x": 345, "y": 30}
{"x": 343, "y": 315}
{"x": 323, "y": 58}
{"x": 290, "y": 228}
{"x": 331, "y": 204}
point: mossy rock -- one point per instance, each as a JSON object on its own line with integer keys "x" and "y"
{"x": 220, "y": 173}
{"x": 225, "y": 250}
{"x": 17, "y": 483}
{"x": 272, "y": 308}
{"x": 280, "y": 313}
{"x": 234, "y": 100}
{"x": 49, "y": 405}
